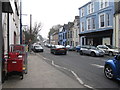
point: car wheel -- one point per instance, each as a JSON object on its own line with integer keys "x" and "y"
{"x": 108, "y": 72}
{"x": 110, "y": 53}
{"x": 81, "y": 53}
{"x": 93, "y": 54}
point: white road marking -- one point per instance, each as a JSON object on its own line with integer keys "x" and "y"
{"x": 76, "y": 76}
{"x": 44, "y": 58}
{"x": 99, "y": 66}
{"x": 88, "y": 86}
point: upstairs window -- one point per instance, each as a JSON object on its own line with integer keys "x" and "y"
{"x": 90, "y": 8}
{"x": 68, "y": 34}
{"x": 93, "y": 23}
{"x": 101, "y": 4}
{"x": 82, "y": 26}
{"x": 104, "y": 4}
{"x": 82, "y": 12}
{"x": 88, "y": 24}
{"x": 102, "y": 20}
{"x": 108, "y": 19}
{"x": 76, "y": 34}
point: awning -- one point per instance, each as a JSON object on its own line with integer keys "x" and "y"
{"x": 6, "y": 6}
{"x": 98, "y": 34}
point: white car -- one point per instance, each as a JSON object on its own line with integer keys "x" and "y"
{"x": 109, "y": 49}
{"x": 37, "y": 48}
{"x": 67, "y": 47}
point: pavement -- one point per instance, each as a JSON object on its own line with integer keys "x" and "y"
{"x": 41, "y": 75}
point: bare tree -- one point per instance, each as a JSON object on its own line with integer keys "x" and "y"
{"x": 34, "y": 33}
{"x": 37, "y": 28}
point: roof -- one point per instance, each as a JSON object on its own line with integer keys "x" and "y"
{"x": 85, "y": 5}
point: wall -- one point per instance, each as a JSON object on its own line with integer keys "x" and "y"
{"x": 0, "y": 45}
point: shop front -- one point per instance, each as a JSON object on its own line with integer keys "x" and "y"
{"x": 97, "y": 38}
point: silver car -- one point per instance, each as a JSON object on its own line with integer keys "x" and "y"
{"x": 109, "y": 49}
{"x": 91, "y": 50}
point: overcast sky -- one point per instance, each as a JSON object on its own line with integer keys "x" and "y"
{"x": 51, "y": 12}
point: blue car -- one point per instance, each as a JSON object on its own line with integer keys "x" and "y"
{"x": 78, "y": 48}
{"x": 112, "y": 68}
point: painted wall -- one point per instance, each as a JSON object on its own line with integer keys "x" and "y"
{"x": 96, "y": 15}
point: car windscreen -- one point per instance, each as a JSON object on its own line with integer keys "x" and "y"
{"x": 92, "y": 47}
{"x": 111, "y": 47}
{"x": 36, "y": 47}
{"x": 58, "y": 46}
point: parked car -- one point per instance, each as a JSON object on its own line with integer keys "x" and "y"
{"x": 71, "y": 48}
{"x": 67, "y": 47}
{"x": 78, "y": 48}
{"x": 112, "y": 68}
{"x": 91, "y": 50}
{"x": 49, "y": 45}
{"x": 58, "y": 49}
{"x": 109, "y": 49}
{"x": 37, "y": 48}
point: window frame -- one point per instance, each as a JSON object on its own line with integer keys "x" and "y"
{"x": 103, "y": 2}
{"x": 88, "y": 23}
{"x": 82, "y": 27}
{"x": 92, "y": 23}
{"x": 108, "y": 19}
{"x": 100, "y": 20}
{"x": 82, "y": 12}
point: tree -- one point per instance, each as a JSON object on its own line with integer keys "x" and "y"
{"x": 55, "y": 28}
{"x": 34, "y": 33}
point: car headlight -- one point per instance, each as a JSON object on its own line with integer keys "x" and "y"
{"x": 97, "y": 52}
{"x": 116, "y": 51}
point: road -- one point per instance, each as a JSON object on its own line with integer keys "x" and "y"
{"x": 86, "y": 69}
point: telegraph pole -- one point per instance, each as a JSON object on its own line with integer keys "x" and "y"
{"x": 20, "y": 21}
{"x": 30, "y": 32}
{"x": 30, "y": 24}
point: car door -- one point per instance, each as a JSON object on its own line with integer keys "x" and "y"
{"x": 52, "y": 49}
{"x": 86, "y": 49}
{"x": 118, "y": 67}
{"x": 105, "y": 49}
{"x": 83, "y": 49}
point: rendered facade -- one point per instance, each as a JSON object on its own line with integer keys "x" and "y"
{"x": 116, "y": 33}
{"x": 9, "y": 28}
{"x": 96, "y": 22}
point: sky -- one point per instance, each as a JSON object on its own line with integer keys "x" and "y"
{"x": 50, "y": 12}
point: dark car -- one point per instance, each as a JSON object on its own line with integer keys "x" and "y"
{"x": 37, "y": 48}
{"x": 112, "y": 68}
{"x": 58, "y": 49}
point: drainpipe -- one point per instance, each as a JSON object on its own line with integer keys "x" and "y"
{"x": 8, "y": 32}
{"x": 20, "y": 21}
{"x": 115, "y": 30}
